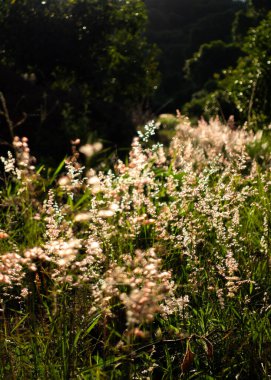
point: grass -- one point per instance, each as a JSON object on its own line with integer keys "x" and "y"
{"x": 157, "y": 269}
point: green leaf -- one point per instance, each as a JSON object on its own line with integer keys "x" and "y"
{"x": 19, "y": 323}
{"x": 93, "y": 324}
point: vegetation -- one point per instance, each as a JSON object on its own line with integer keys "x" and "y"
{"x": 247, "y": 86}
{"x": 158, "y": 268}
{"x": 149, "y": 265}
{"x": 179, "y": 28}
{"x": 238, "y": 85}
{"x": 87, "y": 70}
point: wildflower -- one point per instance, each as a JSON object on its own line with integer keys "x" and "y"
{"x": 97, "y": 147}
{"x": 64, "y": 181}
{"x": 24, "y": 292}
{"x": 75, "y": 142}
{"x": 24, "y": 159}
{"x": 114, "y": 207}
{"x": 87, "y": 150}
{"x": 148, "y": 130}
{"x": 11, "y": 270}
{"x": 3, "y": 235}
{"x": 90, "y": 149}
{"x": 37, "y": 216}
{"x": 106, "y": 213}
{"x": 93, "y": 181}
{"x": 149, "y": 287}
{"x": 36, "y": 254}
{"x": 64, "y": 252}
{"x": 53, "y": 216}
{"x": 9, "y": 163}
{"x": 83, "y": 217}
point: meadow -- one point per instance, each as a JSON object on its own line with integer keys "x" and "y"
{"x": 155, "y": 268}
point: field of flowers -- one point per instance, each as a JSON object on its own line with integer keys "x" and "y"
{"x": 158, "y": 268}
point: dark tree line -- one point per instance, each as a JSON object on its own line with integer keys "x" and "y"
{"x": 242, "y": 88}
{"x": 75, "y": 68}
{"x": 179, "y": 28}
{"x": 89, "y": 69}
{"x": 215, "y": 58}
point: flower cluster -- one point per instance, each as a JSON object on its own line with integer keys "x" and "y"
{"x": 114, "y": 232}
{"x": 140, "y": 285}
{"x": 207, "y": 142}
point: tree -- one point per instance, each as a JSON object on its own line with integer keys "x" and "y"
{"x": 201, "y": 71}
{"x": 91, "y": 54}
{"x": 249, "y": 17}
{"x": 179, "y": 28}
{"x": 211, "y": 58}
{"x": 247, "y": 88}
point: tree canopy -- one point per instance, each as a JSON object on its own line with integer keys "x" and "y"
{"x": 247, "y": 87}
{"x": 89, "y": 57}
{"x": 239, "y": 86}
{"x": 179, "y": 28}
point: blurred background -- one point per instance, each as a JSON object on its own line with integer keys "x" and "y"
{"x": 98, "y": 69}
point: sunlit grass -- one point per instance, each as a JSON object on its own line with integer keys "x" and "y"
{"x": 156, "y": 269}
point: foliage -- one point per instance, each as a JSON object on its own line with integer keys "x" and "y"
{"x": 201, "y": 69}
{"x": 89, "y": 57}
{"x": 157, "y": 269}
{"x": 247, "y": 86}
{"x": 209, "y": 59}
{"x": 179, "y": 28}
{"x": 249, "y": 17}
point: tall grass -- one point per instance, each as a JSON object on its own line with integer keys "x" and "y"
{"x": 156, "y": 269}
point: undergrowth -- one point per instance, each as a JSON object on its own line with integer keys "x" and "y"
{"x": 156, "y": 269}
